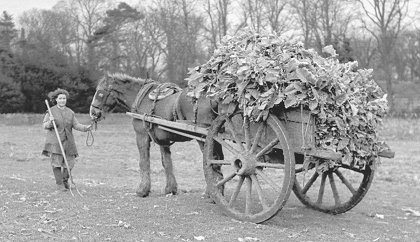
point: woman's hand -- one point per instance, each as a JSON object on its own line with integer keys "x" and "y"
{"x": 51, "y": 118}
{"x": 89, "y": 127}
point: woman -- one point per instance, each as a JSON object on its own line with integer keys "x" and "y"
{"x": 65, "y": 121}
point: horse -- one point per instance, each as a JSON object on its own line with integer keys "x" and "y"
{"x": 132, "y": 93}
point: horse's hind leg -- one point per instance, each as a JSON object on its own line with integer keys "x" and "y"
{"x": 143, "y": 145}
{"x": 171, "y": 185}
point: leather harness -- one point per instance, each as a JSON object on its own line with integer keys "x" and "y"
{"x": 155, "y": 95}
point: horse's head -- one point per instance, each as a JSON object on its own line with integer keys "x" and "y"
{"x": 112, "y": 90}
{"x": 105, "y": 98}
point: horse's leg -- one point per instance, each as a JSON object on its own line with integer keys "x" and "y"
{"x": 143, "y": 145}
{"x": 171, "y": 185}
{"x": 217, "y": 155}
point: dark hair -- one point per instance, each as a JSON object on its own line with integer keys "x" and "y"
{"x": 54, "y": 94}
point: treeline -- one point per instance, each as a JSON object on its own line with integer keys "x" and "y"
{"x": 73, "y": 44}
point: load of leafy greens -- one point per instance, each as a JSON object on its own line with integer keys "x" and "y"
{"x": 260, "y": 70}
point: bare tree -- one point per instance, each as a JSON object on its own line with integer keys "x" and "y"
{"x": 87, "y": 15}
{"x": 364, "y": 49}
{"x": 303, "y": 10}
{"x": 175, "y": 29}
{"x": 386, "y": 19}
{"x": 217, "y": 25}
{"x": 47, "y": 33}
{"x": 408, "y": 46}
{"x": 267, "y": 15}
{"x": 323, "y": 22}
{"x": 253, "y": 14}
{"x": 277, "y": 15}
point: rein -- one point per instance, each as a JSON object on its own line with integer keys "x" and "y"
{"x": 90, "y": 134}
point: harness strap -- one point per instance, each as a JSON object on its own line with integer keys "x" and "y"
{"x": 152, "y": 112}
{"x": 158, "y": 90}
{"x": 141, "y": 95}
{"x": 176, "y": 112}
{"x": 134, "y": 108}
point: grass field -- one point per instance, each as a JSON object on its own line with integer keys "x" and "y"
{"x": 107, "y": 175}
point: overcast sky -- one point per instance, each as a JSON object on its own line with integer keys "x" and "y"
{"x": 16, "y": 7}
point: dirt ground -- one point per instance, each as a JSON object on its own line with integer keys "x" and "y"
{"x": 107, "y": 174}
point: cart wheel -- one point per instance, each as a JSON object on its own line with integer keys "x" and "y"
{"x": 337, "y": 197}
{"x": 241, "y": 177}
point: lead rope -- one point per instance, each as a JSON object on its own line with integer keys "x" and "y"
{"x": 90, "y": 134}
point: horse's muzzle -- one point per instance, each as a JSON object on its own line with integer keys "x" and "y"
{"x": 95, "y": 113}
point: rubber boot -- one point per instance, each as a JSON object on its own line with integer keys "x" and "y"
{"x": 58, "y": 176}
{"x": 66, "y": 176}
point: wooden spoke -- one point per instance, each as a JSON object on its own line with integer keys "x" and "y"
{"x": 260, "y": 192}
{"x": 226, "y": 179}
{"x": 259, "y": 188}
{"x": 334, "y": 189}
{"x": 346, "y": 182}
{"x": 321, "y": 188}
{"x": 339, "y": 200}
{"x": 247, "y": 134}
{"x": 226, "y": 145}
{"x": 257, "y": 138}
{"x": 310, "y": 182}
{"x": 299, "y": 170}
{"x": 268, "y": 180}
{"x": 270, "y": 165}
{"x": 234, "y": 134}
{"x": 248, "y": 199}
{"x": 351, "y": 168}
{"x": 267, "y": 147}
{"x": 219, "y": 162}
{"x": 237, "y": 190}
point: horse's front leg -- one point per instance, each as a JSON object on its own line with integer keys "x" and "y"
{"x": 143, "y": 145}
{"x": 171, "y": 185}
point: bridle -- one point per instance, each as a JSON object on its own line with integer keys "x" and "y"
{"x": 103, "y": 95}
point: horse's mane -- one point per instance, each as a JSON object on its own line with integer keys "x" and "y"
{"x": 124, "y": 78}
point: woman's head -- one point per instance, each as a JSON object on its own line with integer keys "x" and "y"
{"x": 59, "y": 97}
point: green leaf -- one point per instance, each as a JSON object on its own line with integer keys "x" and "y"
{"x": 260, "y": 70}
{"x": 290, "y": 101}
{"x": 313, "y": 104}
{"x": 341, "y": 99}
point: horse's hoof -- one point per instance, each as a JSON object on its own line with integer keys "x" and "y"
{"x": 172, "y": 191}
{"x": 142, "y": 192}
{"x": 207, "y": 198}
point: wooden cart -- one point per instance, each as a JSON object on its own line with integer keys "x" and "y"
{"x": 262, "y": 162}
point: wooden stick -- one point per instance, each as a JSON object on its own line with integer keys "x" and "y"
{"x": 171, "y": 124}
{"x": 62, "y": 149}
{"x": 181, "y": 133}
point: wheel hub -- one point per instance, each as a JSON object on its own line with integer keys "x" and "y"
{"x": 246, "y": 164}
